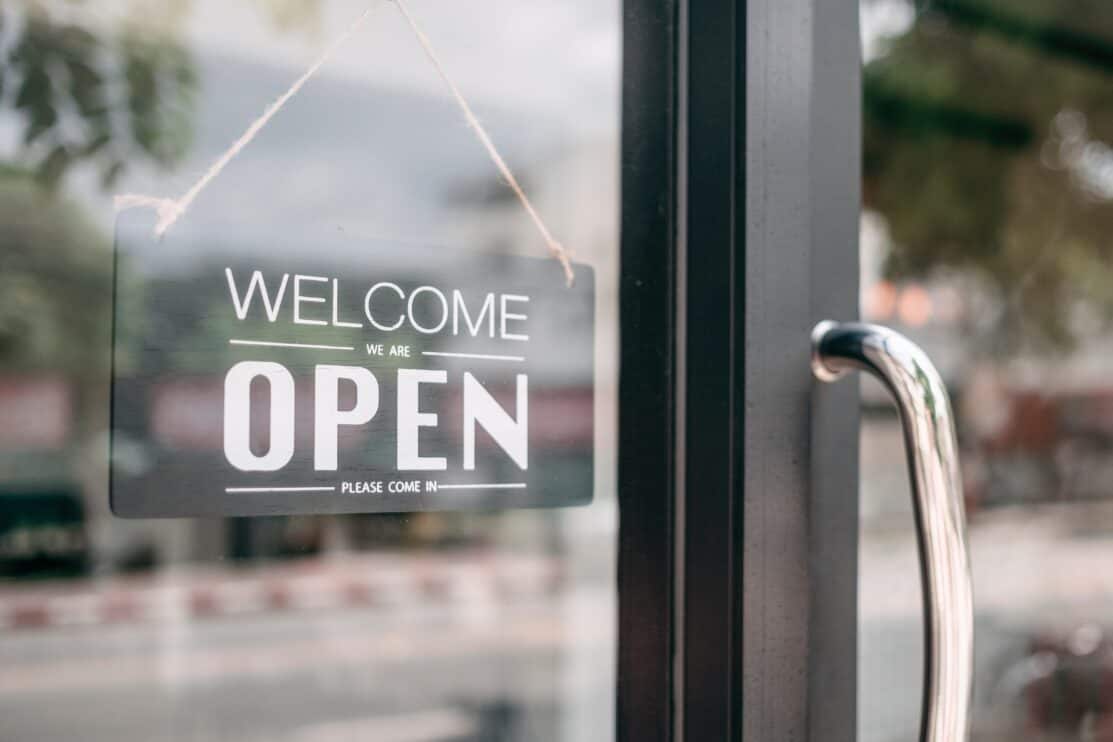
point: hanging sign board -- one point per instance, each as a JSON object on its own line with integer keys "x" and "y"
{"x": 390, "y": 379}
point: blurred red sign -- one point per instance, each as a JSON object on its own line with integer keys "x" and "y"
{"x": 35, "y": 413}
{"x": 187, "y": 413}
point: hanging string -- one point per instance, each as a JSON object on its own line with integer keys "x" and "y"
{"x": 555, "y": 247}
{"x": 170, "y": 210}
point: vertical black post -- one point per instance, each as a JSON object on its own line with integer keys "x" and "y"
{"x": 646, "y": 385}
{"x": 712, "y": 309}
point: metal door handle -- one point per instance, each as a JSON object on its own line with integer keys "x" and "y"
{"x": 929, "y": 438}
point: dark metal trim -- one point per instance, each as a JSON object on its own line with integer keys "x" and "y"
{"x": 646, "y": 434}
{"x": 800, "y": 486}
{"x": 748, "y": 631}
{"x": 713, "y": 459}
{"x": 835, "y": 180}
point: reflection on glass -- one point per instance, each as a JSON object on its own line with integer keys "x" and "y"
{"x": 988, "y": 205}
{"x": 492, "y": 625}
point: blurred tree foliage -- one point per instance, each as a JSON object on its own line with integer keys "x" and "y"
{"x": 105, "y": 94}
{"x": 108, "y": 89}
{"x": 55, "y": 284}
{"x": 985, "y": 125}
{"x": 95, "y": 90}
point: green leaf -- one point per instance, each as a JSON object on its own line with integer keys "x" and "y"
{"x": 35, "y": 90}
{"x": 96, "y": 144}
{"x": 54, "y": 166}
{"x": 42, "y": 119}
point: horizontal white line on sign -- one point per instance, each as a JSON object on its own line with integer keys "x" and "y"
{"x": 271, "y": 344}
{"x": 480, "y": 356}
{"x": 279, "y": 489}
{"x": 513, "y": 486}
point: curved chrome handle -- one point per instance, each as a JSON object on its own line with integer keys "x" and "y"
{"x": 929, "y": 437}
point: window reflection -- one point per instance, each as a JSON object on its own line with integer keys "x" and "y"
{"x": 428, "y": 626}
{"x": 988, "y": 204}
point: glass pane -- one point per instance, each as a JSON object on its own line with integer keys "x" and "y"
{"x": 495, "y": 624}
{"x": 988, "y": 166}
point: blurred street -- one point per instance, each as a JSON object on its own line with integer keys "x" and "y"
{"x": 438, "y": 660}
{"x": 1037, "y": 580}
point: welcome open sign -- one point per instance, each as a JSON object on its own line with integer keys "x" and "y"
{"x": 253, "y": 382}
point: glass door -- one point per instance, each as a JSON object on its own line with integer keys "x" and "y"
{"x": 352, "y": 134}
{"x": 985, "y": 238}
{"x": 741, "y": 201}
{"x": 690, "y": 566}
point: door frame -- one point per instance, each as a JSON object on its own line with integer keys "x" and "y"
{"x": 737, "y": 475}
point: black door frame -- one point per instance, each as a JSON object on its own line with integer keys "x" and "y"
{"x": 737, "y": 476}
